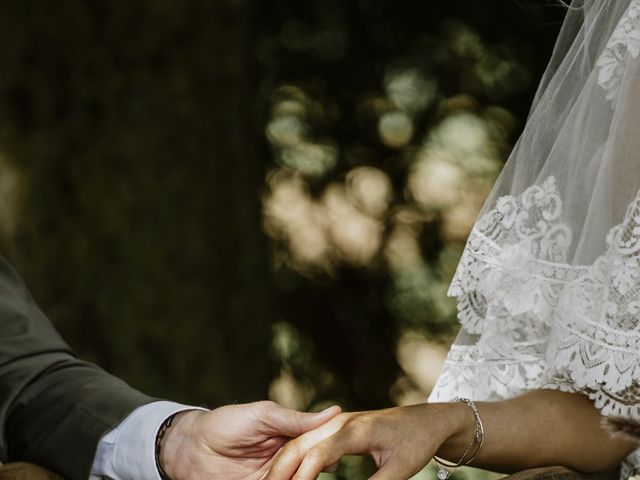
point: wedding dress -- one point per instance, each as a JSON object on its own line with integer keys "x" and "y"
{"x": 548, "y": 286}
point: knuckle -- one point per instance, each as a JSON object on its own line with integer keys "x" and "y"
{"x": 359, "y": 422}
{"x": 342, "y": 419}
{"x": 266, "y": 405}
{"x": 291, "y": 449}
{"x": 298, "y": 418}
{"x": 265, "y": 411}
{"x": 315, "y": 455}
{"x": 359, "y": 427}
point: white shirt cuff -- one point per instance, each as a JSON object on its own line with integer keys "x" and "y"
{"x": 128, "y": 452}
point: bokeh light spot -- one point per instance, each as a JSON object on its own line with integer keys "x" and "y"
{"x": 370, "y": 188}
{"x": 395, "y": 129}
{"x": 409, "y": 90}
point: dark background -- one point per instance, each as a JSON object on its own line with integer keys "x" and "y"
{"x": 225, "y": 200}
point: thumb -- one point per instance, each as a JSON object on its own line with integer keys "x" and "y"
{"x": 293, "y": 423}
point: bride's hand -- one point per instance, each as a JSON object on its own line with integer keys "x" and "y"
{"x": 401, "y": 440}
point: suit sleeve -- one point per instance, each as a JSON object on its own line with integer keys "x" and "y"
{"x": 54, "y": 408}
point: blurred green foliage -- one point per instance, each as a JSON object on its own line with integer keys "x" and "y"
{"x": 209, "y": 198}
{"x": 388, "y": 123}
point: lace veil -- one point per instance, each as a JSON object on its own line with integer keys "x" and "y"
{"x": 548, "y": 286}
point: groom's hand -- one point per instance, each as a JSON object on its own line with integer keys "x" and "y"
{"x": 233, "y": 442}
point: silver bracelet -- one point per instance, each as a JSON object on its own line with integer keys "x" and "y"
{"x": 478, "y": 437}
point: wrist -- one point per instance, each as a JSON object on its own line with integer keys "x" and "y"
{"x": 459, "y": 422}
{"x": 174, "y": 439}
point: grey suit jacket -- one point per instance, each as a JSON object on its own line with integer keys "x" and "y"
{"x": 53, "y": 407}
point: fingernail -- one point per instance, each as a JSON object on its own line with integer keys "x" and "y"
{"x": 327, "y": 409}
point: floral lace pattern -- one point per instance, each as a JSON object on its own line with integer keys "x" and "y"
{"x": 624, "y": 41}
{"x": 537, "y": 321}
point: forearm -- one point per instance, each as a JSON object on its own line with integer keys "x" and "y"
{"x": 57, "y": 419}
{"x": 53, "y": 407}
{"x": 540, "y": 428}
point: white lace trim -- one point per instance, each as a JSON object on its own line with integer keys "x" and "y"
{"x": 624, "y": 41}
{"x": 538, "y": 319}
{"x": 538, "y": 322}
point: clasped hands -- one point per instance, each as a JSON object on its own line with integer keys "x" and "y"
{"x": 264, "y": 440}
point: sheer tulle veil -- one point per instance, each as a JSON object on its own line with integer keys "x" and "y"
{"x": 548, "y": 286}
